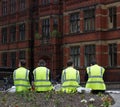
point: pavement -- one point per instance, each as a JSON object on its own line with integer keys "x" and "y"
{"x": 116, "y": 96}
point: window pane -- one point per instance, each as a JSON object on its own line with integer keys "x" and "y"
{"x": 74, "y": 23}
{"x": 12, "y": 33}
{"x": 89, "y": 20}
{"x": 4, "y": 35}
{"x": 112, "y": 54}
{"x": 13, "y": 59}
{"x": 89, "y": 54}
{"x": 22, "y": 31}
{"x": 22, "y": 55}
{"x": 4, "y": 59}
{"x": 75, "y": 55}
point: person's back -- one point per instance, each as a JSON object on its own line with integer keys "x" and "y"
{"x": 95, "y": 78}
{"x": 42, "y": 78}
{"x": 21, "y": 78}
{"x": 70, "y": 78}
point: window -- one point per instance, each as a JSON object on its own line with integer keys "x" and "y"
{"x": 12, "y": 6}
{"x": 12, "y": 33}
{"x": 112, "y": 54}
{"x": 22, "y": 31}
{"x": 55, "y": 23}
{"x": 45, "y": 2}
{"x": 4, "y": 7}
{"x": 74, "y": 23}
{"x": 22, "y": 4}
{"x": 22, "y": 54}
{"x": 112, "y": 17}
{"x": 56, "y": 1}
{"x": 13, "y": 59}
{"x": 89, "y": 54}
{"x": 75, "y": 55}
{"x": 89, "y": 20}
{"x": 4, "y": 35}
{"x": 36, "y": 26}
{"x": 4, "y": 59}
{"x": 45, "y": 28}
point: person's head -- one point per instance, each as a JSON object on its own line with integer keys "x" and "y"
{"x": 42, "y": 63}
{"x": 93, "y": 62}
{"x": 70, "y": 62}
{"x": 22, "y": 63}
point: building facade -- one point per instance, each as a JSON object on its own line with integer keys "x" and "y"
{"x": 56, "y": 30}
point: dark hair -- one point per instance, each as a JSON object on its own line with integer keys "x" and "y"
{"x": 42, "y": 63}
{"x": 23, "y": 62}
{"x": 70, "y": 62}
{"x": 93, "y": 62}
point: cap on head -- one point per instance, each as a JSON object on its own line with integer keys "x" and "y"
{"x": 42, "y": 62}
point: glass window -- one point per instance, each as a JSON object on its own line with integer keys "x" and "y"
{"x": 45, "y": 28}
{"x": 112, "y": 17}
{"x": 55, "y": 23}
{"x": 89, "y": 54}
{"x": 4, "y": 59}
{"x": 74, "y": 23}
{"x": 13, "y": 34}
{"x": 22, "y": 54}
{"x": 45, "y": 2}
{"x": 4, "y": 35}
{"x": 75, "y": 55}
{"x": 89, "y": 20}
{"x": 22, "y": 31}
{"x": 4, "y": 7}
{"x": 13, "y": 59}
{"x": 113, "y": 54}
{"x": 12, "y": 6}
{"x": 22, "y": 4}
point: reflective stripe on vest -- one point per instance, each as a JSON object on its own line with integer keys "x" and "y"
{"x": 20, "y": 81}
{"x": 38, "y": 82}
{"x": 69, "y": 80}
{"x": 46, "y": 79}
{"x": 97, "y": 76}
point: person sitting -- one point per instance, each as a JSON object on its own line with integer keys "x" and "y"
{"x": 42, "y": 78}
{"x": 70, "y": 78}
{"x": 95, "y": 78}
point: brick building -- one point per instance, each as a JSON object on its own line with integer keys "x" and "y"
{"x": 56, "y": 30}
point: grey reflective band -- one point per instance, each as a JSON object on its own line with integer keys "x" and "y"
{"x": 95, "y": 76}
{"x": 64, "y": 75}
{"x": 89, "y": 71}
{"x": 26, "y": 74}
{"x": 95, "y": 82}
{"x": 41, "y": 80}
{"x": 43, "y": 85}
{"x": 101, "y": 70}
{"x": 14, "y": 74}
{"x": 34, "y": 73}
{"x": 47, "y": 74}
{"x": 22, "y": 85}
{"x": 71, "y": 80}
{"x": 21, "y": 79}
{"x": 66, "y": 86}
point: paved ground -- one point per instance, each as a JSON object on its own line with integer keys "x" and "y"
{"x": 116, "y": 95}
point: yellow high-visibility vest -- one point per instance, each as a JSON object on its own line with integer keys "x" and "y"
{"x": 70, "y": 80}
{"x": 95, "y": 78}
{"x": 41, "y": 79}
{"x": 21, "y": 79}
